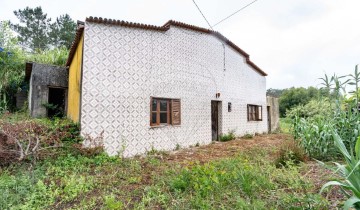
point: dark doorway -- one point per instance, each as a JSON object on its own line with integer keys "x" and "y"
{"x": 269, "y": 119}
{"x": 215, "y": 120}
{"x": 56, "y": 103}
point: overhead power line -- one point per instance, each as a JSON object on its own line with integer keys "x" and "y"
{"x": 203, "y": 15}
{"x": 231, "y": 14}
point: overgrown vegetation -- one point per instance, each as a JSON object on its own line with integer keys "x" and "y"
{"x": 332, "y": 130}
{"x": 340, "y": 113}
{"x": 293, "y": 97}
{"x": 12, "y": 65}
{"x": 69, "y": 179}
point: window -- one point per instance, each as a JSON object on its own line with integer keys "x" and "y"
{"x": 165, "y": 111}
{"x": 229, "y": 107}
{"x": 254, "y": 112}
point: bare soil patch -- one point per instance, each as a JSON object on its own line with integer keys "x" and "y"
{"x": 218, "y": 150}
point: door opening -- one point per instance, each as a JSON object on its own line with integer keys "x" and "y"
{"x": 215, "y": 120}
{"x": 269, "y": 119}
{"x": 56, "y": 102}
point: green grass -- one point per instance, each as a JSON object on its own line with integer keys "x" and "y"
{"x": 246, "y": 181}
{"x": 285, "y": 125}
{"x": 68, "y": 178}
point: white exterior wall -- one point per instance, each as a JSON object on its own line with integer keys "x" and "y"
{"x": 123, "y": 67}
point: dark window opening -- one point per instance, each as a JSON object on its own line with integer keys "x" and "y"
{"x": 254, "y": 112}
{"x": 229, "y": 107}
{"x": 56, "y": 102}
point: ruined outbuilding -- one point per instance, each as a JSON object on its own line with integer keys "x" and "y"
{"x": 47, "y": 89}
{"x": 273, "y": 113}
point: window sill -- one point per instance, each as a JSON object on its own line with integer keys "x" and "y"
{"x": 162, "y": 126}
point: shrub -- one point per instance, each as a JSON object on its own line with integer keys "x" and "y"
{"x": 314, "y": 108}
{"x": 228, "y": 137}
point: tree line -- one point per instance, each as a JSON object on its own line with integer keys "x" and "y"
{"x": 292, "y": 97}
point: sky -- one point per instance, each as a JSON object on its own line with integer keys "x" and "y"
{"x": 294, "y": 41}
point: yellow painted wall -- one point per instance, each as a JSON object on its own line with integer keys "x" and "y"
{"x": 73, "y": 107}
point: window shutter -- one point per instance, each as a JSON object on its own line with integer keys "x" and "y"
{"x": 175, "y": 112}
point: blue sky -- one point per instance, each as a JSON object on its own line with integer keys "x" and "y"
{"x": 294, "y": 41}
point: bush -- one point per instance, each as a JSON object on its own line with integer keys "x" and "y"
{"x": 228, "y": 137}
{"x": 315, "y": 108}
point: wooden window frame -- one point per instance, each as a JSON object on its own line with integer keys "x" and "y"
{"x": 254, "y": 112}
{"x": 169, "y": 111}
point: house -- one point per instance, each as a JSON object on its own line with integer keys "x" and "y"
{"x": 141, "y": 87}
{"x": 47, "y": 90}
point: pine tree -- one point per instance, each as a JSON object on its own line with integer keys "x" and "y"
{"x": 33, "y": 29}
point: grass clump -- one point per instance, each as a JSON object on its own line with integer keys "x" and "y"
{"x": 228, "y": 137}
{"x": 290, "y": 152}
{"x": 247, "y": 136}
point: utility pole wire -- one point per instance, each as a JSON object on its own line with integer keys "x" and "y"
{"x": 203, "y": 15}
{"x": 232, "y": 13}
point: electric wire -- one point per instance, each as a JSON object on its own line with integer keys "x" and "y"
{"x": 203, "y": 15}
{"x": 233, "y": 13}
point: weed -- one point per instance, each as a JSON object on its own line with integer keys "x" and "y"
{"x": 112, "y": 204}
{"x": 290, "y": 152}
{"x": 247, "y": 136}
{"x": 228, "y": 137}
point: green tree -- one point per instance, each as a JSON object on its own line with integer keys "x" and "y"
{"x": 12, "y": 63}
{"x": 7, "y": 37}
{"x": 33, "y": 28}
{"x": 62, "y": 31}
{"x": 297, "y": 96}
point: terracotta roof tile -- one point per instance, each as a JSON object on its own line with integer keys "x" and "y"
{"x": 75, "y": 44}
{"x": 165, "y": 27}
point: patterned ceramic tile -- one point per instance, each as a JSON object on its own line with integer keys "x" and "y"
{"x": 124, "y": 67}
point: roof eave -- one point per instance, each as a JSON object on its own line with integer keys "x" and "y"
{"x": 74, "y": 45}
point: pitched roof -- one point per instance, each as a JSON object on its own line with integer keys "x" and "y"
{"x": 74, "y": 44}
{"x": 164, "y": 27}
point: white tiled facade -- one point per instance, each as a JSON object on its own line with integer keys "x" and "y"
{"x": 123, "y": 67}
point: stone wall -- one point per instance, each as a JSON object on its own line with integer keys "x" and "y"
{"x": 273, "y": 103}
{"x": 42, "y": 77}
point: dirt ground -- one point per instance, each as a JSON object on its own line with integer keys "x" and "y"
{"x": 218, "y": 150}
